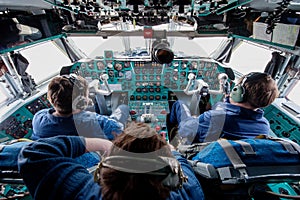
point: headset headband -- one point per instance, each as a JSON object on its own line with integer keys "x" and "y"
{"x": 245, "y": 79}
{"x": 72, "y": 78}
{"x": 160, "y": 166}
{"x": 140, "y": 165}
{"x": 252, "y": 75}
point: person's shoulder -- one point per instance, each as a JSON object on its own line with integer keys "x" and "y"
{"x": 45, "y": 110}
{"x": 85, "y": 114}
{"x": 265, "y": 120}
{"x": 218, "y": 108}
{"x": 190, "y": 189}
{"x": 42, "y": 113}
{"x": 220, "y": 105}
{"x": 227, "y": 107}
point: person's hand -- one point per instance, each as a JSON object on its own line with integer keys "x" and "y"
{"x": 97, "y": 144}
{"x": 172, "y": 147}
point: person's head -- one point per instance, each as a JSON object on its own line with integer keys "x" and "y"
{"x": 124, "y": 182}
{"x": 67, "y": 93}
{"x": 256, "y": 89}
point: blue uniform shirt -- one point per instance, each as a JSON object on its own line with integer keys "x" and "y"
{"x": 85, "y": 123}
{"x": 224, "y": 120}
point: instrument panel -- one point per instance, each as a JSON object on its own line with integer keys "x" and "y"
{"x": 134, "y": 74}
{"x": 149, "y": 87}
{"x": 282, "y": 125}
{"x": 151, "y": 81}
{"x": 19, "y": 124}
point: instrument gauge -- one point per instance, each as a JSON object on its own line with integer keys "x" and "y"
{"x": 127, "y": 65}
{"x": 91, "y": 65}
{"x": 194, "y": 64}
{"x": 184, "y": 65}
{"x": 118, "y": 66}
{"x": 100, "y": 65}
{"x": 109, "y": 65}
{"x": 82, "y": 66}
{"x": 175, "y": 64}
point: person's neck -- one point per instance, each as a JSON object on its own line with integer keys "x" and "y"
{"x": 243, "y": 105}
{"x": 59, "y": 114}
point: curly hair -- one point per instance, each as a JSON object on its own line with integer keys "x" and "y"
{"x": 118, "y": 185}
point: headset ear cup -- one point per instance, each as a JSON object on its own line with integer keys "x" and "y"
{"x": 97, "y": 173}
{"x": 172, "y": 181}
{"x": 175, "y": 177}
{"x": 80, "y": 103}
{"x": 237, "y": 93}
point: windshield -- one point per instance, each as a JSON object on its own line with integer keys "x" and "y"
{"x": 40, "y": 67}
{"x": 181, "y": 46}
{"x": 294, "y": 95}
{"x": 3, "y": 94}
{"x": 247, "y": 57}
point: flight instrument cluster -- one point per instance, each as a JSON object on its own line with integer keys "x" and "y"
{"x": 148, "y": 87}
{"x": 130, "y": 75}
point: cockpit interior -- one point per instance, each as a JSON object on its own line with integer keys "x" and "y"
{"x": 146, "y": 54}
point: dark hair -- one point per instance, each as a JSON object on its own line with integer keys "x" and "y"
{"x": 63, "y": 90}
{"x": 137, "y": 138}
{"x": 261, "y": 89}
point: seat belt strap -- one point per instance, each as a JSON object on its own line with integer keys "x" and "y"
{"x": 234, "y": 157}
{"x": 247, "y": 148}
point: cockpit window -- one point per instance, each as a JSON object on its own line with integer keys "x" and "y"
{"x": 131, "y": 46}
{"x": 294, "y": 95}
{"x": 41, "y": 68}
{"x": 3, "y": 95}
{"x": 247, "y": 57}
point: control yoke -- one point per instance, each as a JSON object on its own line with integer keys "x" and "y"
{"x": 224, "y": 87}
{"x": 199, "y": 83}
{"x": 94, "y": 86}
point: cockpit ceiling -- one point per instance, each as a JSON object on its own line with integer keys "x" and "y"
{"x": 258, "y": 5}
{"x": 270, "y": 5}
{"x": 30, "y": 5}
{"x": 200, "y": 18}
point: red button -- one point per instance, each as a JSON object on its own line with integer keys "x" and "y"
{"x": 132, "y": 112}
{"x": 157, "y": 128}
{"x": 163, "y": 112}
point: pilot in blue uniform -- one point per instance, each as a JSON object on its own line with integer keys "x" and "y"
{"x": 49, "y": 171}
{"x": 69, "y": 97}
{"x": 239, "y": 117}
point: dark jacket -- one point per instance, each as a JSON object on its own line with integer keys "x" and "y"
{"x": 50, "y": 172}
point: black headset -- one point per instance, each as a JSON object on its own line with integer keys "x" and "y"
{"x": 166, "y": 167}
{"x": 80, "y": 102}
